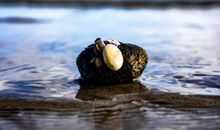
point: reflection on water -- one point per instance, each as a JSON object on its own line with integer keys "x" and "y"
{"x": 39, "y": 46}
{"x": 92, "y": 92}
{"x": 108, "y": 119}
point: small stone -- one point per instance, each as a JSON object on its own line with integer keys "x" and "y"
{"x": 112, "y": 57}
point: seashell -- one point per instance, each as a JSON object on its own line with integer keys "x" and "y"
{"x": 99, "y": 44}
{"x": 112, "y": 57}
{"x": 98, "y": 62}
{"x": 113, "y": 41}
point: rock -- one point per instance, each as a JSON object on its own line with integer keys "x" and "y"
{"x": 135, "y": 60}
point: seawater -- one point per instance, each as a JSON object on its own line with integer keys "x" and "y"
{"x": 39, "y": 47}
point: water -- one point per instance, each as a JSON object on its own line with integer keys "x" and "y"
{"x": 39, "y": 46}
{"x": 131, "y": 119}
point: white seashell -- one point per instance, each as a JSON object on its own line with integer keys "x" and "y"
{"x": 112, "y": 57}
{"x": 113, "y": 41}
{"x": 116, "y": 42}
{"x": 98, "y": 62}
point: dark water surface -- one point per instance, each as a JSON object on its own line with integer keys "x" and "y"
{"x": 39, "y": 46}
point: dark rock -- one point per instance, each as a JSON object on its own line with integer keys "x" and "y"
{"x": 135, "y": 60}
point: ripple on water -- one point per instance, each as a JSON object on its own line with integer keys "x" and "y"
{"x": 38, "y": 88}
{"x": 108, "y": 118}
{"x": 21, "y": 20}
{"x": 172, "y": 80}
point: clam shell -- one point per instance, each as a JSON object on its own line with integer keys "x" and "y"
{"x": 112, "y": 57}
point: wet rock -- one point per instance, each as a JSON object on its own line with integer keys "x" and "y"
{"x": 135, "y": 60}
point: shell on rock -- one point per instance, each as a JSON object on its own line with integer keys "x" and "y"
{"x": 99, "y": 44}
{"x": 112, "y": 57}
{"x": 113, "y": 41}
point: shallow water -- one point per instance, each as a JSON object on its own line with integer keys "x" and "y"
{"x": 39, "y": 46}
{"x": 132, "y": 119}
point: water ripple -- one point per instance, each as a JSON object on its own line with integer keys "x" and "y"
{"x": 20, "y": 20}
